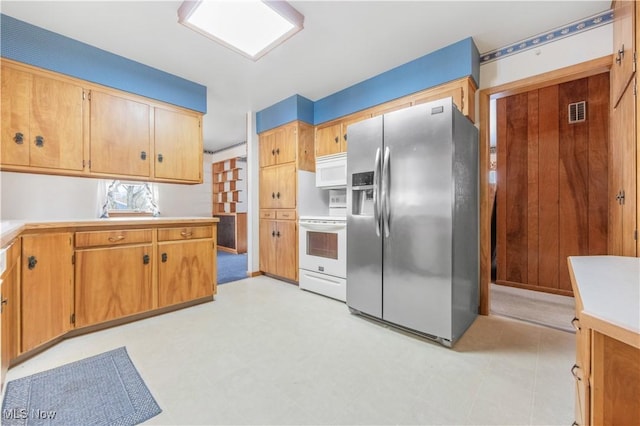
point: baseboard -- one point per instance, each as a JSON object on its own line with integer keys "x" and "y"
{"x": 254, "y": 274}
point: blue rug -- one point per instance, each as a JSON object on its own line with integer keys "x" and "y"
{"x": 231, "y": 267}
{"x": 105, "y": 389}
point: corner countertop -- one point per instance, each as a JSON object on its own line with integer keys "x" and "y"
{"x": 609, "y": 288}
{"x": 9, "y": 229}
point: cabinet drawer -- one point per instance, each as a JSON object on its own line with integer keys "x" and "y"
{"x": 267, "y": 214}
{"x": 112, "y": 238}
{"x": 286, "y": 214}
{"x": 185, "y": 233}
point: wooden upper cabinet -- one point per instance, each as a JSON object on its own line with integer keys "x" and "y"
{"x": 47, "y": 288}
{"x": 178, "y": 146}
{"x": 122, "y": 149}
{"x": 279, "y": 145}
{"x": 278, "y": 187}
{"x": 329, "y": 140}
{"x": 56, "y": 124}
{"x": 16, "y": 106}
{"x": 41, "y": 121}
{"x": 267, "y": 148}
{"x": 623, "y": 65}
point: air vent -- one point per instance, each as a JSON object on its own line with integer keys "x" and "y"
{"x": 577, "y": 112}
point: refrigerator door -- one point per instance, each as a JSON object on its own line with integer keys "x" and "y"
{"x": 418, "y": 187}
{"x": 364, "y": 243}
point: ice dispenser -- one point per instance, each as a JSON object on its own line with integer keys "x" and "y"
{"x": 362, "y": 194}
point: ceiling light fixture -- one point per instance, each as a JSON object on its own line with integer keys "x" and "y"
{"x": 251, "y": 28}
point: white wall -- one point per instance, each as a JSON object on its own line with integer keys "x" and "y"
{"x": 27, "y": 196}
{"x": 562, "y": 53}
{"x": 253, "y": 221}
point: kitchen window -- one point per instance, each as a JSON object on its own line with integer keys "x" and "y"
{"x": 129, "y": 199}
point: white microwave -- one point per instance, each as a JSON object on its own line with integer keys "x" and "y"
{"x": 331, "y": 171}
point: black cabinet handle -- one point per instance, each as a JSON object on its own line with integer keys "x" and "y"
{"x": 277, "y": 151}
{"x": 336, "y": 139}
{"x": 278, "y": 234}
{"x": 345, "y": 136}
{"x": 273, "y": 195}
{"x": 273, "y": 233}
{"x": 573, "y": 323}
{"x": 146, "y": 259}
{"x": 39, "y": 141}
{"x": 620, "y": 55}
{"x": 2, "y": 303}
{"x": 278, "y": 195}
{"x": 573, "y": 372}
{"x": 164, "y": 257}
{"x": 273, "y": 152}
{"x": 31, "y": 262}
{"x": 160, "y": 158}
{"x": 143, "y": 155}
{"x": 19, "y": 138}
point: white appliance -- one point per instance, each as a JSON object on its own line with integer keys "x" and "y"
{"x": 331, "y": 171}
{"x": 323, "y": 255}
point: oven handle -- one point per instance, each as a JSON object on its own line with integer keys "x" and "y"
{"x": 321, "y": 228}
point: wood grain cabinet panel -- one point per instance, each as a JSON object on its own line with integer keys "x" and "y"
{"x": 122, "y": 148}
{"x": 329, "y": 140}
{"x": 112, "y": 238}
{"x": 178, "y": 146}
{"x": 623, "y": 66}
{"x": 185, "y": 271}
{"x": 112, "y": 283}
{"x": 47, "y": 288}
{"x": 16, "y": 105}
{"x": 279, "y": 248}
{"x": 10, "y": 308}
{"x": 185, "y": 233}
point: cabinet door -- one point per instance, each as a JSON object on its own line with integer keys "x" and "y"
{"x": 112, "y": 283}
{"x": 178, "y": 146}
{"x": 267, "y": 149}
{"x": 285, "y": 143}
{"x": 268, "y": 246}
{"x": 121, "y": 149}
{"x": 16, "y": 97}
{"x": 56, "y": 124}
{"x": 286, "y": 186}
{"x": 10, "y": 308}
{"x": 345, "y": 127}
{"x": 268, "y": 187}
{"x": 287, "y": 249}
{"x": 47, "y": 287}
{"x": 328, "y": 140}
{"x": 623, "y": 47}
{"x": 185, "y": 271}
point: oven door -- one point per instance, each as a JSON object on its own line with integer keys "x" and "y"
{"x": 323, "y": 248}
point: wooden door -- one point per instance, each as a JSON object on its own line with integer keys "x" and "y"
{"x": 178, "y": 146}
{"x": 112, "y": 283}
{"x": 622, "y": 189}
{"x": 286, "y": 143}
{"x": 47, "y": 288}
{"x": 623, "y": 66}
{"x": 10, "y": 308}
{"x": 185, "y": 271}
{"x": 268, "y": 187}
{"x": 56, "y": 124}
{"x": 552, "y": 183}
{"x": 268, "y": 247}
{"x": 120, "y": 135}
{"x": 286, "y": 186}
{"x": 15, "y": 105}
{"x": 287, "y": 249}
{"x": 329, "y": 140}
{"x": 267, "y": 148}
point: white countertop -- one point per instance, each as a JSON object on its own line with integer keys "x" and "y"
{"x": 609, "y": 288}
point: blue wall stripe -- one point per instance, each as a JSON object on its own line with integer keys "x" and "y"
{"x": 455, "y": 61}
{"x": 295, "y": 107}
{"x": 36, "y": 46}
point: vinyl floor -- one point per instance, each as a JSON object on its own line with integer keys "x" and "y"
{"x": 266, "y": 352}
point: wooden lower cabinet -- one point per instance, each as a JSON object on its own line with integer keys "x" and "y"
{"x": 186, "y": 271}
{"x": 279, "y": 248}
{"x": 47, "y": 288}
{"x": 10, "y": 308}
{"x": 113, "y": 282}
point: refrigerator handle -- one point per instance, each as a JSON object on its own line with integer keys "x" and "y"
{"x": 386, "y": 186}
{"x": 376, "y": 195}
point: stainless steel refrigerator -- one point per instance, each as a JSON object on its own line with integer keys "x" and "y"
{"x": 412, "y": 220}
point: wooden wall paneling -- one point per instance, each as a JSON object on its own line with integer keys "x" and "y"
{"x": 573, "y": 180}
{"x": 598, "y": 122}
{"x": 548, "y": 188}
{"x": 532, "y": 188}
{"x": 516, "y": 199}
{"x": 501, "y": 192}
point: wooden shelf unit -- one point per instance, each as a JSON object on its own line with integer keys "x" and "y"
{"x": 232, "y": 232}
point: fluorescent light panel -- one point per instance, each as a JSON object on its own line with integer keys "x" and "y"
{"x": 251, "y": 28}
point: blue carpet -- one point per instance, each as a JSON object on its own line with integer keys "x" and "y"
{"x": 231, "y": 267}
{"x": 105, "y": 389}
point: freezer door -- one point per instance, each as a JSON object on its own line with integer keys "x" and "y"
{"x": 417, "y": 251}
{"x": 364, "y": 244}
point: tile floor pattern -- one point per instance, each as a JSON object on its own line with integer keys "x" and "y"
{"x": 266, "y": 352}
